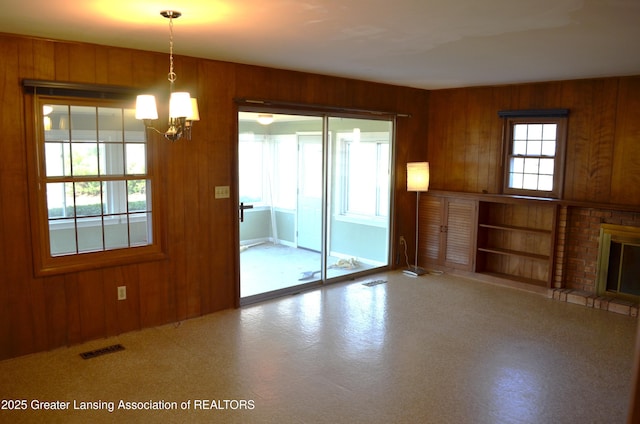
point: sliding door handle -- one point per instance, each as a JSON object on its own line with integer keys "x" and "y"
{"x": 242, "y": 208}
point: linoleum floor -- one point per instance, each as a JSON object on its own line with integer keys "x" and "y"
{"x": 433, "y": 349}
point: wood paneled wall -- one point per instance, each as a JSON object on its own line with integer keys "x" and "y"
{"x": 200, "y": 275}
{"x": 603, "y": 143}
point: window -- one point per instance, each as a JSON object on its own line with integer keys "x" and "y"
{"x": 534, "y": 155}
{"x": 364, "y": 170}
{"x": 94, "y": 183}
{"x": 251, "y": 152}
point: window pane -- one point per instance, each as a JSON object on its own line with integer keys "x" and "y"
{"x": 114, "y": 199}
{"x": 137, "y": 195}
{"x": 58, "y": 123}
{"x": 519, "y": 147}
{"x": 133, "y": 128}
{"x": 517, "y": 164}
{"x": 111, "y": 159}
{"x": 515, "y": 180}
{"x": 116, "y": 232}
{"x": 62, "y": 237}
{"x": 549, "y": 148}
{"x": 88, "y": 198}
{"x": 549, "y": 131}
{"x": 136, "y": 158}
{"x": 545, "y": 183}
{"x": 140, "y": 229}
{"x": 546, "y": 166}
{"x": 84, "y": 157}
{"x": 89, "y": 234}
{"x": 361, "y": 177}
{"x": 534, "y": 147}
{"x": 110, "y": 124}
{"x": 520, "y": 132}
{"x": 530, "y": 182}
{"x": 60, "y": 200}
{"x": 531, "y": 165}
{"x": 534, "y": 132}
{"x": 57, "y": 159}
{"x": 83, "y": 124}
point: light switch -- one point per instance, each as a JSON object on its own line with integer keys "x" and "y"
{"x": 222, "y": 192}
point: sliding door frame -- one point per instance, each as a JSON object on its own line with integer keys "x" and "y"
{"x": 263, "y": 106}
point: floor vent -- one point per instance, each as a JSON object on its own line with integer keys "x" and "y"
{"x": 374, "y": 283}
{"x": 102, "y": 351}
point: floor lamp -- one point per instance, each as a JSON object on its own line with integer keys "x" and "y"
{"x": 417, "y": 180}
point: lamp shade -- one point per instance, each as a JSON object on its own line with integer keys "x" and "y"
{"x": 180, "y": 105}
{"x": 146, "y": 107}
{"x": 418, "y": 176}
{"x": 195, "y": 114}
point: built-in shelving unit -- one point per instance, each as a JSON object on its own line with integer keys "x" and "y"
{"x": 499, "y": 238}
{"x": 515, "y": 240}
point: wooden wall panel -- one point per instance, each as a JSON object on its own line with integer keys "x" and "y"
{"x": 626, "y": 157}
{"x": 590, "y": 138}
{"x": 441, "y": 111}
{"x": 72, "y": 306}
{"x": 82, "y": 60}
{"x": 7, "y": 75}
{"x": 602, "y": 164}
{"x": 91, "y": 304}
{"x": 56, "y": 310}
{"x": 18, "y": 317}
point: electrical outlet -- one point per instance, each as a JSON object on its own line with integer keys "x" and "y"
{"x": 402, "y": 240}
{"x": 122, "y": 292}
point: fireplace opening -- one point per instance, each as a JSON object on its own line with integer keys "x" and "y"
{"x": 619, "y": 262}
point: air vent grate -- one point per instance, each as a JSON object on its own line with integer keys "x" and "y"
{"x": 103, "y": 351}
{"x": 374, "y": 283}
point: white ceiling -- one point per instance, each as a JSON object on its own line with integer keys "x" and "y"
{"x": 417, "y": 43}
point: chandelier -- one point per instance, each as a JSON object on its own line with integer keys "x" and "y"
{"x": 183, "y": 109}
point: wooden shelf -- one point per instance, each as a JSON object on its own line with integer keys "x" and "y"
{"x": 508, "y": 252}
{"x": 511, "y": 277}
{"x": 515, "y": 240}
{"x": 515, "y": 228}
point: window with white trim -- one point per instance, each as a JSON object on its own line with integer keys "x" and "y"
{"x": 364, "y": 171}
{"x": 534, "y": 155}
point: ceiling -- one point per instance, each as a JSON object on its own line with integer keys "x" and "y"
{"x": 427, "y": 44}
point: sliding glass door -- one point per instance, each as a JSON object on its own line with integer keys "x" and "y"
{"x": 314, "y": 195}
{"x": 359, "y": 195}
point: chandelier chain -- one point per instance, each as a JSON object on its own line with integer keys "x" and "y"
{"x": 172, "y": 75}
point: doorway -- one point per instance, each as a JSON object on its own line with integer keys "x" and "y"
{"x": 314, "y": 193}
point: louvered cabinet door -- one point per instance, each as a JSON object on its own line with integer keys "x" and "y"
{"x": 447, "y": 231}
{"x": 430, "y": 228}
{"x": 459, "y": 232}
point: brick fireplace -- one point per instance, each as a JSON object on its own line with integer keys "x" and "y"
{"x": 577, "y": 250}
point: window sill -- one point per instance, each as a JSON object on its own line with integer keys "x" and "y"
{"x": 369, "y": 221}
{"x": 96, "y": 260}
